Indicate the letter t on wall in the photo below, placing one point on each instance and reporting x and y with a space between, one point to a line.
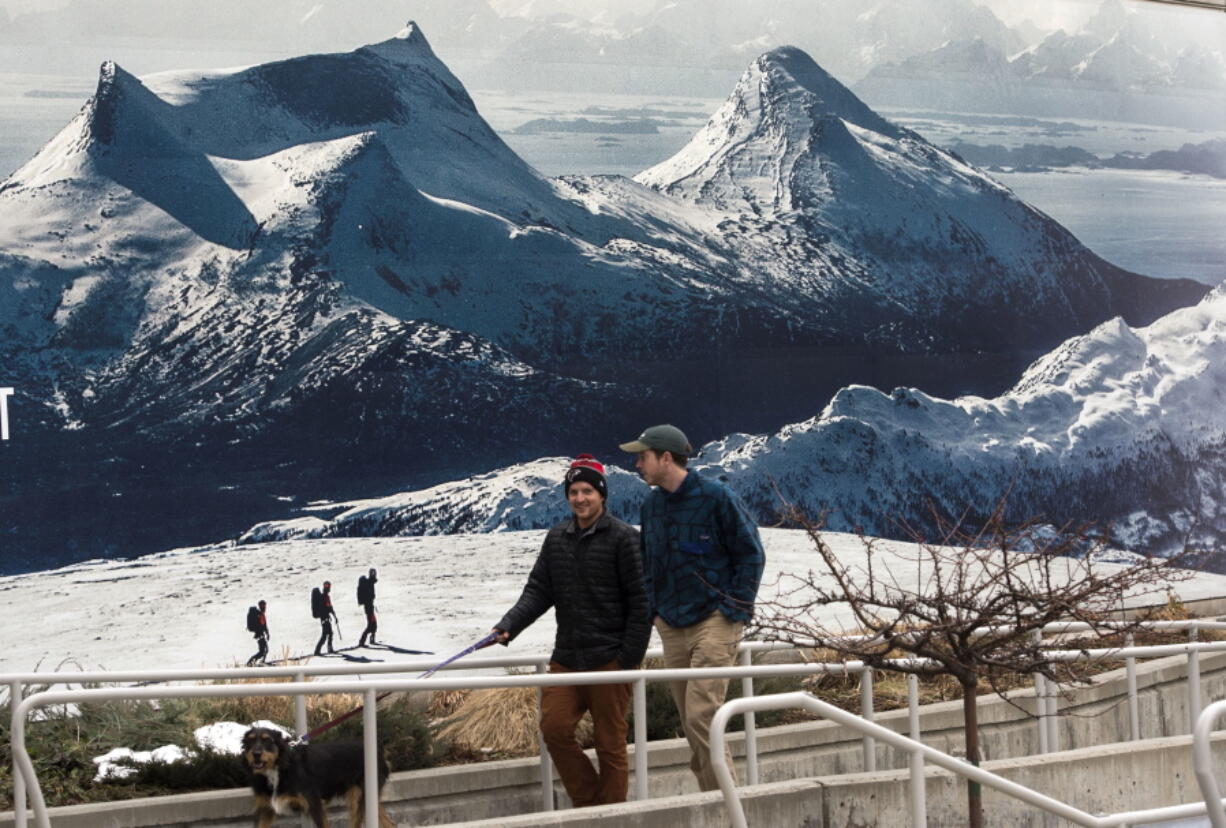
5 393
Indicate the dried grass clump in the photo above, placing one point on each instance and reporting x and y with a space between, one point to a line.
445 702
501 720
279 709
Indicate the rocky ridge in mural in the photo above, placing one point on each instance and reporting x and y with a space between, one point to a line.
1122 426
310 269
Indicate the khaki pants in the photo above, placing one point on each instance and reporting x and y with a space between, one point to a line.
561 709
711 642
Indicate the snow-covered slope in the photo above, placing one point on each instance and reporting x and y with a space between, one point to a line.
186 608
523 496
1123 427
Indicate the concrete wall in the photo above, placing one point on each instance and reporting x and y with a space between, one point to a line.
1099 780
797 763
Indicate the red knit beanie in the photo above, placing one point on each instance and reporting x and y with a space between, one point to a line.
588 469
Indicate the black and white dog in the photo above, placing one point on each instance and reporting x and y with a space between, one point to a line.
302 779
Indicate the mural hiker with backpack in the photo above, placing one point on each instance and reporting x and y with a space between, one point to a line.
321 608
257 624
366 600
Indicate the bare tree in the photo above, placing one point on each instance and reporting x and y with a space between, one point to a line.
975 610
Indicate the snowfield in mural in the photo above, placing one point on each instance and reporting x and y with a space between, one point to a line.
186 608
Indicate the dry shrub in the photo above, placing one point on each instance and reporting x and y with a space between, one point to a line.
501 720
445 702
1174 610
320 708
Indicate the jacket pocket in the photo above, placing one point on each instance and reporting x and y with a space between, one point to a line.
697 547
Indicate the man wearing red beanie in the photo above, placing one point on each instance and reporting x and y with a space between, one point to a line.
588 570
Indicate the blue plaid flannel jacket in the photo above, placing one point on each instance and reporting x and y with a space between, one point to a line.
701 552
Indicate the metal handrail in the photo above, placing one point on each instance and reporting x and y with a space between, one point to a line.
961 767
301 672
58 677
1045 697
24 763
1202 762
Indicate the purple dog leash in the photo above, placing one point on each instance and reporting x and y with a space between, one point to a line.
485 642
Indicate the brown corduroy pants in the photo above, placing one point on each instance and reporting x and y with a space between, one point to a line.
561 709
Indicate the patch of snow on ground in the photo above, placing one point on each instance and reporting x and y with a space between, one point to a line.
108 767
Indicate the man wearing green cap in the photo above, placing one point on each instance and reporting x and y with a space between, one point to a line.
702 564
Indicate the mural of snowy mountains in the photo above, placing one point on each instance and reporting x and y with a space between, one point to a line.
1123 426
316 273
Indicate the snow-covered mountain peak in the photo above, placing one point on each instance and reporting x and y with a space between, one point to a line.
758 149
792 81
1107 422
122 115
1180 347
1112 15
409 50
411 36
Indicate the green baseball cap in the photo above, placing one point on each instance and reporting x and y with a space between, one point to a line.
660 438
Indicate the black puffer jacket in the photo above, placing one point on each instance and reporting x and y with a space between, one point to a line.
594 580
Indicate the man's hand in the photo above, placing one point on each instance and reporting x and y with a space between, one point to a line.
502 636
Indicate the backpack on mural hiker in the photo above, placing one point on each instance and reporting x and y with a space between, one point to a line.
364 590
318 608
253 619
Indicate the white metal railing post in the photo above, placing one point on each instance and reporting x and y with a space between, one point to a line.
300 713
1202 763
961 767
1193 681
751 724
19 785
370 716
1040 707
1053 712
1134 710
17 744
727 785
919 796
640 739
1040 700
546 760
866 713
